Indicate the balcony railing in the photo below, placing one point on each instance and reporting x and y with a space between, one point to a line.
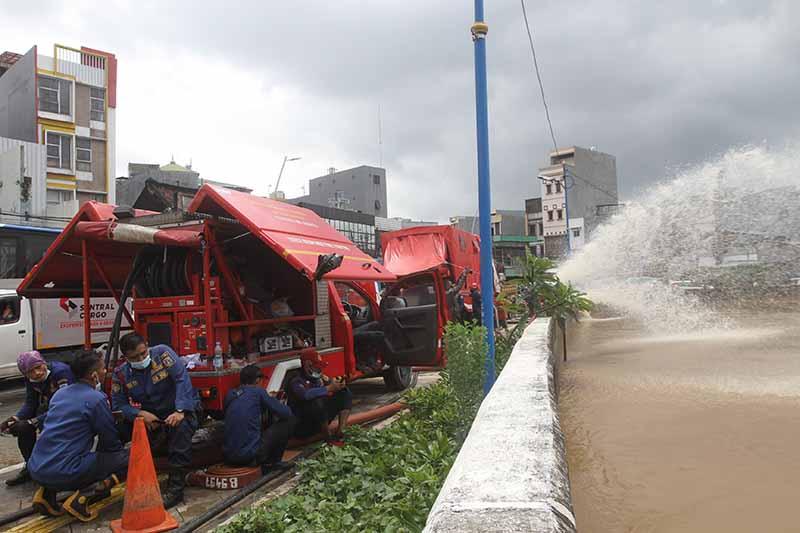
86 67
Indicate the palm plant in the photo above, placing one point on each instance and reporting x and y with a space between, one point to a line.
546 295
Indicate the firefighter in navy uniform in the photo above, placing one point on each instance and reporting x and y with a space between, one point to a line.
154 384
316 400
42 380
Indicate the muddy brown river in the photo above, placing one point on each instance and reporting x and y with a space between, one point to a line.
684 432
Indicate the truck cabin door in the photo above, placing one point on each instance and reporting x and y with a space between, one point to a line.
15 332
411 323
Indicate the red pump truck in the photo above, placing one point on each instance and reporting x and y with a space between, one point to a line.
262 279
436 255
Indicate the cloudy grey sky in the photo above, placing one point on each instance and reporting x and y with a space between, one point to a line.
235 85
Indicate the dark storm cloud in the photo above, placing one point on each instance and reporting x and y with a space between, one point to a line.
656 84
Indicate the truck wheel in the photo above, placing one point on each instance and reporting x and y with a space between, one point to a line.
399 378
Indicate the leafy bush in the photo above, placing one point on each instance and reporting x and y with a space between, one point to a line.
546 295
466 367
385 480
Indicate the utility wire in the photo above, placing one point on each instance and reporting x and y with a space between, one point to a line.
590 184
538 75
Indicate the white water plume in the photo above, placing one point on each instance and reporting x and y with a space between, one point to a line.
743 206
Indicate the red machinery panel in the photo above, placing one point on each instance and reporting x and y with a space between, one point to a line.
192 335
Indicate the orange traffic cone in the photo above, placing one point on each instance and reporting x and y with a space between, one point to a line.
144 508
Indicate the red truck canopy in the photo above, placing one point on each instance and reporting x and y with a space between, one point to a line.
58 273
425 248
296 234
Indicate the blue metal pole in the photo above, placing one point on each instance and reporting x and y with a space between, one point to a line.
479 30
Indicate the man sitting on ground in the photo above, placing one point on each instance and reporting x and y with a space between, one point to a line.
316 400
246 408
42 380
154 384
63 458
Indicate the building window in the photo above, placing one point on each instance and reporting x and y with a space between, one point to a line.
532 230
541 228
558 187
376 179
560 214
56 197
576 232
98 103
549 188
549 215
83 154
59 150
55 95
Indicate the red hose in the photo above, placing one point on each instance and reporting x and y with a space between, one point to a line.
364 417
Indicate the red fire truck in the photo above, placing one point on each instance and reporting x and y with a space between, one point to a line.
262 279
434 254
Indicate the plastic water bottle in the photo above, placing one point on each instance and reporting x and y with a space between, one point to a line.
217 361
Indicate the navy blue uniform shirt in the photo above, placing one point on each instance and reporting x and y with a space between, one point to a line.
77 414
304 388
162 388
38 395
243 409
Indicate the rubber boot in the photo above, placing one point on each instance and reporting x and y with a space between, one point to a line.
45 503
22 477
103 488
78 505
173 493
280 466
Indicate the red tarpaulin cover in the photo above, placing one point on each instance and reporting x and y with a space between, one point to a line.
131 233
60 267
424 248
297 234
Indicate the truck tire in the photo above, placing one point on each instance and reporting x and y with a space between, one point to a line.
398 378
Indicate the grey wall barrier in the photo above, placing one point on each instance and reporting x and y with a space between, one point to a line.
511 473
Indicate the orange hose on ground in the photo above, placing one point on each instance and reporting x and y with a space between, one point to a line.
363 417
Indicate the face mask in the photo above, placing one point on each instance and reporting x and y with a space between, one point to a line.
141 365
46 375
98 386
315 373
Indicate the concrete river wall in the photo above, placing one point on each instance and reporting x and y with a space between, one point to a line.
511 473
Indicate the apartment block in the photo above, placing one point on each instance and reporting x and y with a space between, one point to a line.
361 189
67 104
575 183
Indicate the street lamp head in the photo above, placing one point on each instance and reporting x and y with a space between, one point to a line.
294 158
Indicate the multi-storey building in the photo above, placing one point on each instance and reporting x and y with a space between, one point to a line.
358 227
361 189
534 226
65 103
591 181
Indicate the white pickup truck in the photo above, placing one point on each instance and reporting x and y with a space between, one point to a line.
53 326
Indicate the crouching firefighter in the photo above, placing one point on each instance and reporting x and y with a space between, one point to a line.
316 400
153 384
42 380
248 408
63 459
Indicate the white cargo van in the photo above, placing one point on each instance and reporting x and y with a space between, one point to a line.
53 326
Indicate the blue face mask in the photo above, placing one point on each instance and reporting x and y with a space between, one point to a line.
141 365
